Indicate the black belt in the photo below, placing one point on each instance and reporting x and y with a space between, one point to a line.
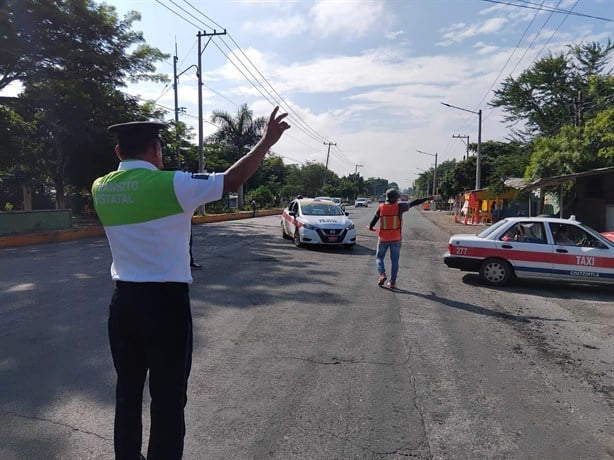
151 285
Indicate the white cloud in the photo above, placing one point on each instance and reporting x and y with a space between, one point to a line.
394 35
482 48
460 31
278 28
348 19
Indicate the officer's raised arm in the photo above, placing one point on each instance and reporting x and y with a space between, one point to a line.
247 165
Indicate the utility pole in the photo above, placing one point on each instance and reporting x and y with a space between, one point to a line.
434 171
175 84
201 154
356 168
328 154
458 136
201 149
177 108
478 171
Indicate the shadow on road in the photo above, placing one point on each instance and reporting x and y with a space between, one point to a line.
545 288
477 309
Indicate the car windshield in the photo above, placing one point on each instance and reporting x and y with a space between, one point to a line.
596 234
492 228
321 209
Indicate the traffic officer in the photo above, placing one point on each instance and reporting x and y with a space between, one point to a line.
391 215
146 214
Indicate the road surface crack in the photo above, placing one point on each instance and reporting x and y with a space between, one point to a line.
54 422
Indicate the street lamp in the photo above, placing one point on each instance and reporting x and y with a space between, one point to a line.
477 157
434 171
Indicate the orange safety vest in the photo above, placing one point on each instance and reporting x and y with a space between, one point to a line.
390 222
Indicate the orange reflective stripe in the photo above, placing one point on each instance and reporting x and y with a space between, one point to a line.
390 223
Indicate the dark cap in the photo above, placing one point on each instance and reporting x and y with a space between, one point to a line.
392 195
134 135
149 128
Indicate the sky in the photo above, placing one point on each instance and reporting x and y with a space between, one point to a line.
366 76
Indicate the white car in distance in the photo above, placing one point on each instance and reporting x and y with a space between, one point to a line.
361 202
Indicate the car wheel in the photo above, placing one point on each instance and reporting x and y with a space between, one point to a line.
496 272
283 232
297 239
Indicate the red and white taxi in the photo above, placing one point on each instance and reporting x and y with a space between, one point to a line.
317 221
534 247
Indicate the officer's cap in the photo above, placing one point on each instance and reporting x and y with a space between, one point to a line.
137 131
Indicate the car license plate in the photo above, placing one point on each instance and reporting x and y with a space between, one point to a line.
332 239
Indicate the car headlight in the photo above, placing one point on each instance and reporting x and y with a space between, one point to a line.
310 227
350 227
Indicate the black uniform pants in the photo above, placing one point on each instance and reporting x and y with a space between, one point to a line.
150 329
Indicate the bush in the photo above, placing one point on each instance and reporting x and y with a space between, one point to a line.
262 195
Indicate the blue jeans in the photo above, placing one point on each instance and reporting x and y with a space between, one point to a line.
380 255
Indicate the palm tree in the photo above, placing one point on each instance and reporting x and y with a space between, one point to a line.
238 135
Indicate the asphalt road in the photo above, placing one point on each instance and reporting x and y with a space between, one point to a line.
299 355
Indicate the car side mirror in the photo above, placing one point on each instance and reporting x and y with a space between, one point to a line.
292 213
347 213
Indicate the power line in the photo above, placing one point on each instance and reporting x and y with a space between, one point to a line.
177 14
556 30
534 39
539 8
554 10
300 123
269 97
203 14
280 97
514 51
469 119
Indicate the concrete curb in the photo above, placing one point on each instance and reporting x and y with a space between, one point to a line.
27 239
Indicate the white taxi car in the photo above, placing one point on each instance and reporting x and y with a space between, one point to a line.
310 221
534 247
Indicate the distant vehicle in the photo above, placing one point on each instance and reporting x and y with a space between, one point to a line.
361 202
312 221
534 247
404 197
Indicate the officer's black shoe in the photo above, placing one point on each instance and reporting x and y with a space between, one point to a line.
195 266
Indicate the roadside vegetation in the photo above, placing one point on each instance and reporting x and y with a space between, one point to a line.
74 63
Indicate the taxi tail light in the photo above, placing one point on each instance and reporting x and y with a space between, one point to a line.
450 247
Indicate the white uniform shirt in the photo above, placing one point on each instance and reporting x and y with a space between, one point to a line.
147 215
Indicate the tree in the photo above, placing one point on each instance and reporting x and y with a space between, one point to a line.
71 56
374 187
238 135
347 188
261 195
575 149
43 40
555 91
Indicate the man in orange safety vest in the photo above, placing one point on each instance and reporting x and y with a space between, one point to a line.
390 215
